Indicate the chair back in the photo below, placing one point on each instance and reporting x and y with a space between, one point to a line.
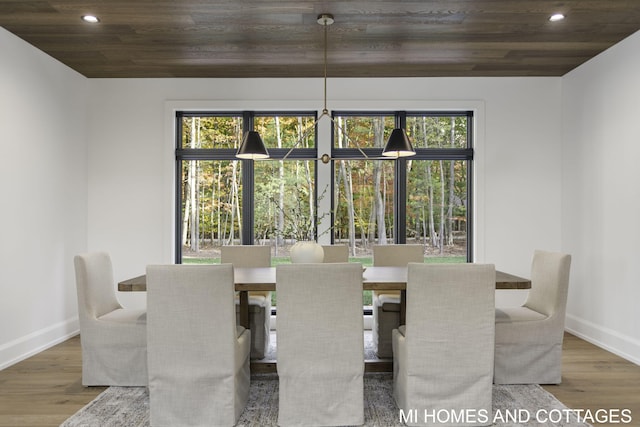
246 256
549 283
450 333
192 342
322 300
320 322
335 253
397 255
191 307
94 284
113 338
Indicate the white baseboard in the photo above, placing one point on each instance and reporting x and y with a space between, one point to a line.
37 341
619 344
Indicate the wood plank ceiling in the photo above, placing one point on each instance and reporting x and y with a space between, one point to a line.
258 38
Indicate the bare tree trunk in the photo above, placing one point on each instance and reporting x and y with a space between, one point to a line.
348 194
311 192
227 214
424 227
442 187
201 208
383 203
280 216
432 231
378 209
371 232
347 179
195 229
219 180
193 188
237 205
187 206
212 213
297 224
451 188
233 198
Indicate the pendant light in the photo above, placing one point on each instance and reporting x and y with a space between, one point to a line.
398 145
252 147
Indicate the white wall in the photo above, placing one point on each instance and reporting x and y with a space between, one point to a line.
43 183
131 149
601 197
93 170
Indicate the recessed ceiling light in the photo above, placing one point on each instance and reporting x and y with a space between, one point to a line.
92 19
556 17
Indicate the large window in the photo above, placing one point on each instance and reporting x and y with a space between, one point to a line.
223 201
422 199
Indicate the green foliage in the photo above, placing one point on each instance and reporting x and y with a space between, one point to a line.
285 197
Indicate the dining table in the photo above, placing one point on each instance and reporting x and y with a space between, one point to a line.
373 278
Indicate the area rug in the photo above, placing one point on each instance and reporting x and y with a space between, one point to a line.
513 405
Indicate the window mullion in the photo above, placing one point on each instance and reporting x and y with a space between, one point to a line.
400 190
247 188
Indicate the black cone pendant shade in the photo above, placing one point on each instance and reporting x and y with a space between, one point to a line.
252 147
398 145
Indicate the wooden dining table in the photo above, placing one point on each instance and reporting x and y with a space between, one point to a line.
373 278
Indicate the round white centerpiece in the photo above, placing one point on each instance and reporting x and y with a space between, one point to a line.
306 251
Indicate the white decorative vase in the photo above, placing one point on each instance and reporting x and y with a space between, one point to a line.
306 252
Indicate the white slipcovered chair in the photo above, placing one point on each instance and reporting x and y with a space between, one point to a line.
198 356
529 338
335 253
259 302
443 356
386 304
113 338
320 346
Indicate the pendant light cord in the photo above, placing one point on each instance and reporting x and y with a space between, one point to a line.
325 24
325 20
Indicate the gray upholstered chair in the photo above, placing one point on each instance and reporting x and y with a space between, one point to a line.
259 302
335 253
113 338
320 345
529 338
198 356
443 356
386 304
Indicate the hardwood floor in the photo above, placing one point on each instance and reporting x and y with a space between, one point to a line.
593 379
45 389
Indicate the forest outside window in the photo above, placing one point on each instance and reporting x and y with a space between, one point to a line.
224 201
424 199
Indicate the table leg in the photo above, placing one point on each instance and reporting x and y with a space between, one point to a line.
403 307
244 309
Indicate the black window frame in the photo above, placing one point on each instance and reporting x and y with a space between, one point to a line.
248 176
247 165
400 167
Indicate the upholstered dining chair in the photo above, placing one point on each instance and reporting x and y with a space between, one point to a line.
443 355
113 338
198 355
529 338
259 302
336 253
386 304
320 346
